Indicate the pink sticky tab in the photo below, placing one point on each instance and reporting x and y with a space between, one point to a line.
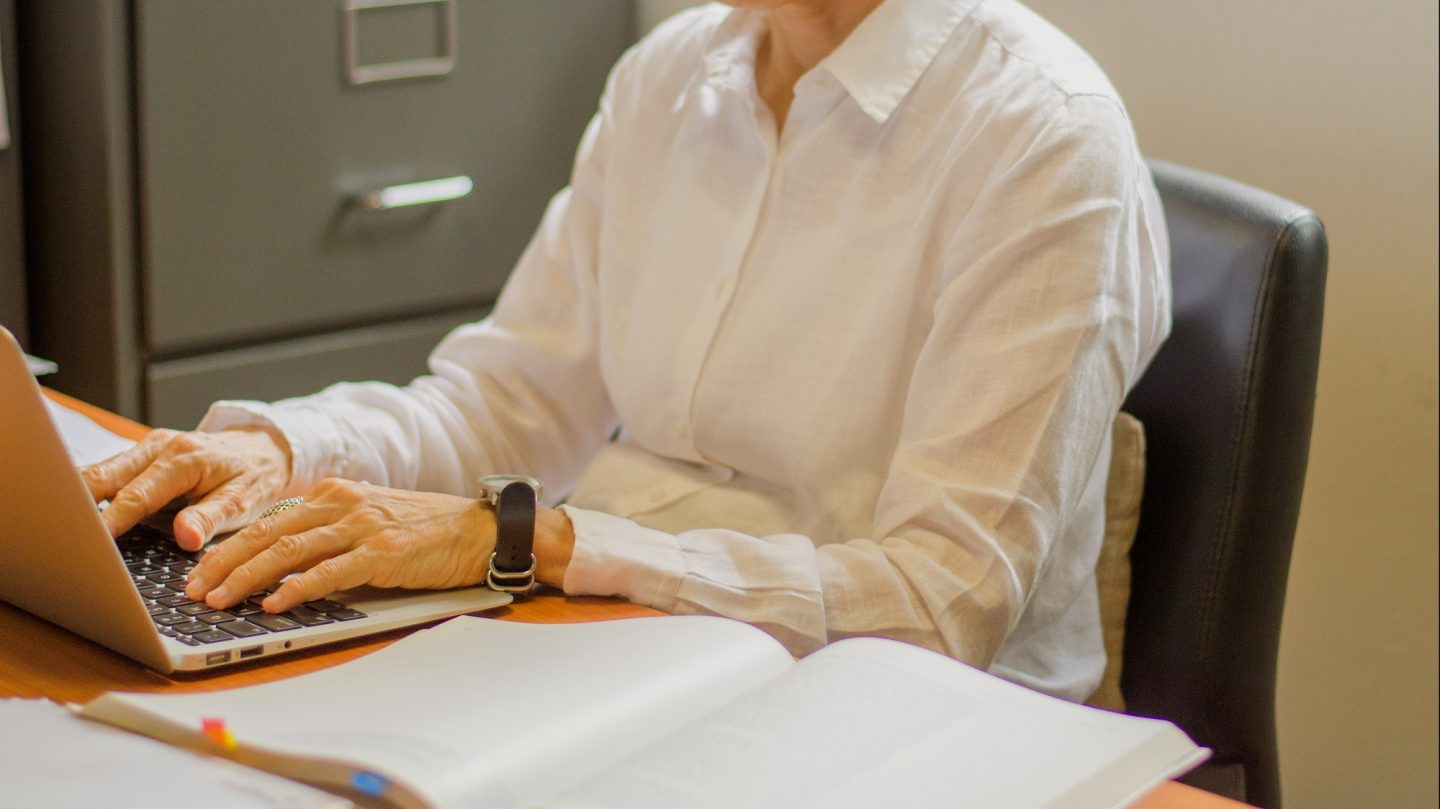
214 730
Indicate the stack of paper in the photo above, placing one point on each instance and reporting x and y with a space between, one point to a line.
86 441
40 367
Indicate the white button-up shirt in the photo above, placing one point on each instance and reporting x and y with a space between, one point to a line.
863 369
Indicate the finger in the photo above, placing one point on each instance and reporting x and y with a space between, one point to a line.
336 573
154 487
107 478
221 509
217 564
289 553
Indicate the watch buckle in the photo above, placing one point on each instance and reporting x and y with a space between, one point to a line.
518 581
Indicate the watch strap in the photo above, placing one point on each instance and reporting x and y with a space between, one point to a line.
512 566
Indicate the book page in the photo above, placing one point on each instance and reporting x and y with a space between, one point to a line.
483 713
865 723
50 757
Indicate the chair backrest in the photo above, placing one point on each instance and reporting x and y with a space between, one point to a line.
1227 408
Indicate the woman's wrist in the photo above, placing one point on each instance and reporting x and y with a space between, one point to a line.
554 543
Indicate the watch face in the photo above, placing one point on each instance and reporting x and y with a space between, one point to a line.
491 485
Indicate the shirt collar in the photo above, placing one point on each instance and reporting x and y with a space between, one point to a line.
878 64
730 55
883 58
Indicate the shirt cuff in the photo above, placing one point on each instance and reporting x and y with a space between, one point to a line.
292 425
614 556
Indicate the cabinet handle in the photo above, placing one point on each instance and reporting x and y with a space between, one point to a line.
440 65
427 192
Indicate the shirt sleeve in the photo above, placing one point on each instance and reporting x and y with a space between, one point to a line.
520 392
1034 339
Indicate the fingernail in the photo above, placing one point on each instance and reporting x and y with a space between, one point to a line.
219 595
194 535
195 587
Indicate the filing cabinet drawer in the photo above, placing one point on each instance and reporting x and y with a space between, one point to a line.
254 138
179 391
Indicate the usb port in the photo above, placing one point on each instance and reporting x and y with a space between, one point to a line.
253 651
215 658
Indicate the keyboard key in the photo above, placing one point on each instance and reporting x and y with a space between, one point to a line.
155 591
324 605
212 636
163 576
195 608
140 581
246 608
170 619
175 601
274 623
305 617
218 617
192 628
186 639
241 629
346 614
157 609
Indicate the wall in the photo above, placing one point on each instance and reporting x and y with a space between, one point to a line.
1333 104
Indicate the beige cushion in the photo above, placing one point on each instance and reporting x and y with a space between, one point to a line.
1112 572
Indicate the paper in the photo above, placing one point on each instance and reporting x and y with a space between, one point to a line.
40 367
86 441
868 722
50 757
484 713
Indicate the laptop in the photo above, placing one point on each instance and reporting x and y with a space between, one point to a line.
58 561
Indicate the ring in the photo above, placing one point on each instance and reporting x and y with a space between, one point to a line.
287 503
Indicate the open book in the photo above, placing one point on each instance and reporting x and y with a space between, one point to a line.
668 713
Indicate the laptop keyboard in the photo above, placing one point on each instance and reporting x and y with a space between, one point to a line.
159 569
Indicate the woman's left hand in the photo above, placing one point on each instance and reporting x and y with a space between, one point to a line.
346 534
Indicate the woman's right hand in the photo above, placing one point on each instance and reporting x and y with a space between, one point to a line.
228 478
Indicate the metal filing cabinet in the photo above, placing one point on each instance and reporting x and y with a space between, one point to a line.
206 225
12 252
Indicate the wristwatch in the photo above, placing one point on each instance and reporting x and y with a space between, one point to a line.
514 498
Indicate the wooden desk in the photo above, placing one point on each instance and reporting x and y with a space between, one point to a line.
38 659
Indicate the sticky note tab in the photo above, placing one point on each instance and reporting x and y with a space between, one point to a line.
369 783
215 730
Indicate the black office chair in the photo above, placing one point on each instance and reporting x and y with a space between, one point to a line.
1227 408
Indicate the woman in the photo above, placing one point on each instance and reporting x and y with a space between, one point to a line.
862 286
